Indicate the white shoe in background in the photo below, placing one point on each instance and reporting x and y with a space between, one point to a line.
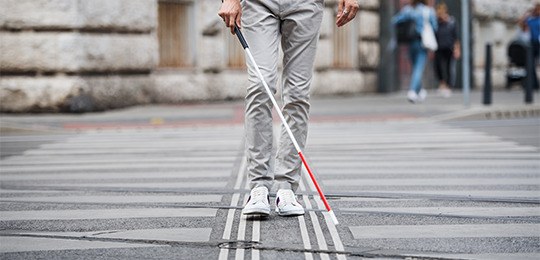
412 96
422 95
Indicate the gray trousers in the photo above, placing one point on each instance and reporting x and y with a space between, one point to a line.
267 24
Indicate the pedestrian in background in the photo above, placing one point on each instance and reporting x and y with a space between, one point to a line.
295 26
423 16
447 52
531 21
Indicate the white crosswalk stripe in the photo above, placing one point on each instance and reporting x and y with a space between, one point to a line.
409 170
391 184
72 172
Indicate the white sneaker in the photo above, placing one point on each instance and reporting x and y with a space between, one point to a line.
422 95
444 92
412 96
286 204
257 203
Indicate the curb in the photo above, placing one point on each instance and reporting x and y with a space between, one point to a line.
491 113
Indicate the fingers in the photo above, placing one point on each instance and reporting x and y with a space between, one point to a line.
238 21
231 13
341 4
347 10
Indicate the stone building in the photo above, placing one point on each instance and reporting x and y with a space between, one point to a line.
91 55
495 23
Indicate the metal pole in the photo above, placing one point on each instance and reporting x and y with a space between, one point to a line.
466 47
487 79
531 75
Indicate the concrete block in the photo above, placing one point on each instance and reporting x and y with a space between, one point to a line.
323 59
210 21
108 92
229 85
19 14
370 81
134 15
369 53
73 52
369 4
369 25
498 78
178 87
505 10
72 94
211 54
118 52
334 82
328 24
182 87
496 33
138 15
32 94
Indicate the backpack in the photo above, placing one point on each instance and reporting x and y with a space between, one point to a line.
406 31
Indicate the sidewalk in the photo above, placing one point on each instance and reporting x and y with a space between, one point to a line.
373 107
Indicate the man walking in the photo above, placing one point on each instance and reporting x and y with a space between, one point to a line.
294 25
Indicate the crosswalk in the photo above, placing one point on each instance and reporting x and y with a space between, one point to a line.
426 189
108 190
399 188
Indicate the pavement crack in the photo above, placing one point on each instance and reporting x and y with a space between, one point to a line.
442 215
106 232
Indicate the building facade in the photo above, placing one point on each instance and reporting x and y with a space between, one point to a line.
81 55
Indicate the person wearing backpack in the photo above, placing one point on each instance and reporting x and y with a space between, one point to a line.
425 26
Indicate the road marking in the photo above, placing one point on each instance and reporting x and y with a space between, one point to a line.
22 244
157 185
445 231
484 256
319 235
471 194
224 252
230 217
446 163
111 166
53 160
240 252
111 199
148 174
395 171
256 237
455 211
305 235
431 181
159 234
106 214
338 244
129 151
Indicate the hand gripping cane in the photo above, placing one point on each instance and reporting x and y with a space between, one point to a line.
280 114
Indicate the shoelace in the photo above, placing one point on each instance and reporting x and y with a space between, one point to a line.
287 198
258 195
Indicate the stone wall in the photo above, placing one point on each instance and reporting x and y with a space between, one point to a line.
362 76
80 55
211 79
76 55
495 22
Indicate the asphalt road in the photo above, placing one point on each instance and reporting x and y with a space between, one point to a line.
406 181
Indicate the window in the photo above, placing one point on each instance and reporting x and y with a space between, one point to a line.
173 31
235 52
344 46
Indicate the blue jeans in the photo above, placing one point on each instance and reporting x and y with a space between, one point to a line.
418 57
